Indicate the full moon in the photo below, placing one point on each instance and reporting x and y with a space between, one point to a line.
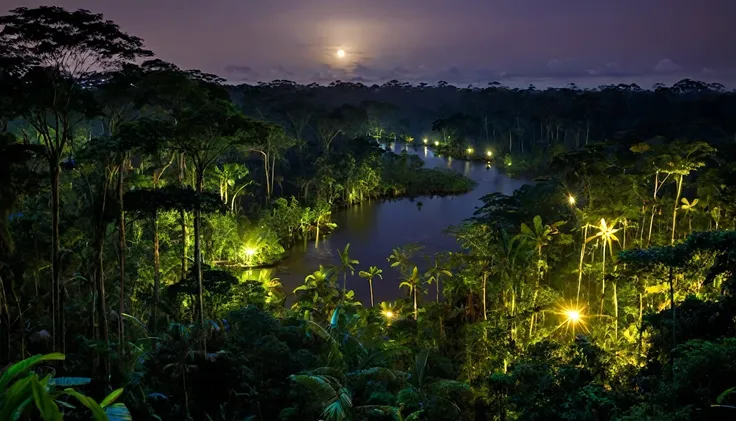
340 53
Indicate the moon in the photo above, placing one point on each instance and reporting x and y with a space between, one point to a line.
341 53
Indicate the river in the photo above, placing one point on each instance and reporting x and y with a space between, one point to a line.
373 229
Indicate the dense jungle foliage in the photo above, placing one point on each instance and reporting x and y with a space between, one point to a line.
131 191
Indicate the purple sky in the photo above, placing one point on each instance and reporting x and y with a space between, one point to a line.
516 42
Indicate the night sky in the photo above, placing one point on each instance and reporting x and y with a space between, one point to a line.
515 42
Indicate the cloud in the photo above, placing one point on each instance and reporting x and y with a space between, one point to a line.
280 72
233 68
667 66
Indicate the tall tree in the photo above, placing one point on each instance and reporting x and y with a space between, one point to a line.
59 51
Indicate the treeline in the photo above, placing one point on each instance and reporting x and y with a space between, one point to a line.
522 122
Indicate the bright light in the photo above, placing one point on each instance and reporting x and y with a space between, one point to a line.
573 315
425 140
250 252
489 154
340 53
436 143
470 151
388 314
571 199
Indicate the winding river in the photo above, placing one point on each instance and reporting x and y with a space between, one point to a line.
373 229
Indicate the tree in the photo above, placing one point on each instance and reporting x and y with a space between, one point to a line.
540 235
682 159
413 283
345 266
435 272
689 208
59 51
372 272
204 133
607 235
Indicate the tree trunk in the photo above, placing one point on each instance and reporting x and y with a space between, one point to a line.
57 309
370 283
121 254
536 291
615 310
100 290
438 289
603 280
674 211
183 221
198 246
156 274
485 280
580 265
672 306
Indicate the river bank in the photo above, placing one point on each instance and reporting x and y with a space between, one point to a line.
375 227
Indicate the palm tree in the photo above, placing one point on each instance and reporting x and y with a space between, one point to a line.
540 235
434 273
689 209
373 271
507 250
607 234
401 257
346 265
412 282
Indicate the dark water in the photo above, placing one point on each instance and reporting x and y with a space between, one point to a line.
374 229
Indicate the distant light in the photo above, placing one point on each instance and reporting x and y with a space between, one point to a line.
425 140
470 151
489 154
436 143
573 315
340 53
571 200
250 252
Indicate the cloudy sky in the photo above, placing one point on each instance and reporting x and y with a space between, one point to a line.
516 42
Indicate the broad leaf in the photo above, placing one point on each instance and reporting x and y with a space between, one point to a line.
24 365
118 412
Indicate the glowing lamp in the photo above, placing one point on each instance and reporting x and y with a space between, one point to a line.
571 200
436 143
425 140
388 314
470 151
250 252
573 315
489 154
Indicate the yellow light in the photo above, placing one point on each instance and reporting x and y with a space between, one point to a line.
573 315
340 53
388 314
489 154
425 140
250 252
470 150
571 199
436 143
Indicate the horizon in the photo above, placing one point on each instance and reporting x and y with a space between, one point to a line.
547 44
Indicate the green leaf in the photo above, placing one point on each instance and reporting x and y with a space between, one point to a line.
49 410
97 412
725 394
16 399
26 364
118 412
69 381
112 397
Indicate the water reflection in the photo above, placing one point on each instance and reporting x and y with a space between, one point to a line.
374 229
